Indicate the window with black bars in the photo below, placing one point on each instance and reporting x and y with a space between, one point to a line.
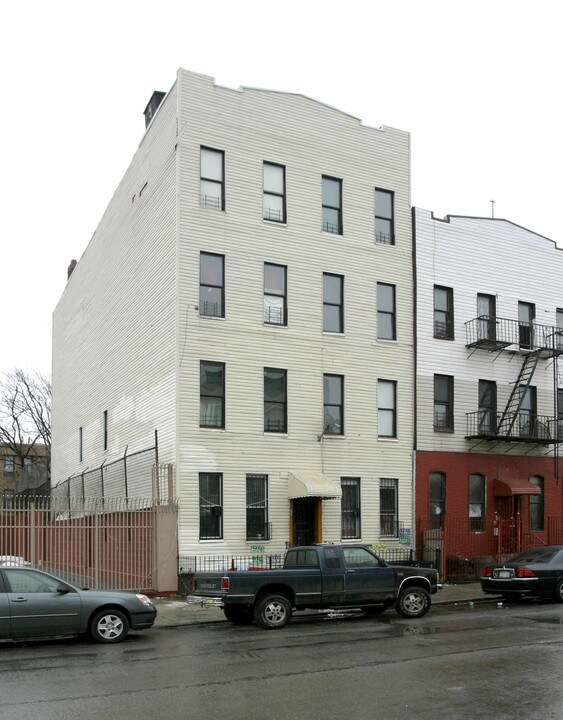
257 527
437 491
351 508
537 505
476 503
388 507
210 506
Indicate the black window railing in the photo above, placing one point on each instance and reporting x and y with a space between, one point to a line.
514 426
275 316
258 531
487 331
212 201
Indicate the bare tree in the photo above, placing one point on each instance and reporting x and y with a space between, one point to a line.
25 415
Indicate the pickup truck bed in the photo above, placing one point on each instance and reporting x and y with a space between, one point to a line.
323 576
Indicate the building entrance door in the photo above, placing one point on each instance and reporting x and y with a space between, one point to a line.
304 521
508 510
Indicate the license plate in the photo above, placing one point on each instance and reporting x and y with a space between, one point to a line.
504 574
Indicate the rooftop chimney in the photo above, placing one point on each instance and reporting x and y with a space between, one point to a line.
150 111
73 264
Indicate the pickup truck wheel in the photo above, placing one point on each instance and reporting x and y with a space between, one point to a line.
413 602
238 615
272 612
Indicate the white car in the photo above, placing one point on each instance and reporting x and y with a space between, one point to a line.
13 561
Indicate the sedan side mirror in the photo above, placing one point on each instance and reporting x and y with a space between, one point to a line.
62 588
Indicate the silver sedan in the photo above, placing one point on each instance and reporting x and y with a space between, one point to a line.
35 604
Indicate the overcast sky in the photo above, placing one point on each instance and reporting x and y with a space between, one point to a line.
477 84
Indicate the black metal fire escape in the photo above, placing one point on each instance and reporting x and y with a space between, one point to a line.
510 413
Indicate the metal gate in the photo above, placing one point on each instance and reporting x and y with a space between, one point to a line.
110 543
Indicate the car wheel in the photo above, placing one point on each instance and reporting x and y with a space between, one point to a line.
558 592
413 602
109 626
238 615
272 612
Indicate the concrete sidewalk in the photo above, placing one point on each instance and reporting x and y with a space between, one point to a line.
177 611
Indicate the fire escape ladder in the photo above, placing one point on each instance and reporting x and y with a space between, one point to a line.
510 412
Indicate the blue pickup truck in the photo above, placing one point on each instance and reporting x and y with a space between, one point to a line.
323 576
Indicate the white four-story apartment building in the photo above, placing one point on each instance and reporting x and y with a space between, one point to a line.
248 294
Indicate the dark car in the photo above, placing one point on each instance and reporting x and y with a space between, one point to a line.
35 604
537 572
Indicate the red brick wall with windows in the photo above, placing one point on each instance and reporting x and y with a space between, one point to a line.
457 468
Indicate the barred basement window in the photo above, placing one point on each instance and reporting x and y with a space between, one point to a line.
350 508
210 506
257 507
388 507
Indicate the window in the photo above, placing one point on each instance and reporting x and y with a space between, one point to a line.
528 412
386 408
389 507
275 297
211 394
384 221
9 464
437 487
443 313
105 430
359 557
332 205
536 505
443 402
274 192
31 581
80 456
333 393
210 506
257 507
487 407
212 174
275 400
476 503
487 314
211 285
526 317
560 414
350 508
386 325
559 329
333 303
297 557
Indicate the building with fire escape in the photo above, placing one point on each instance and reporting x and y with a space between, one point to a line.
489 318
